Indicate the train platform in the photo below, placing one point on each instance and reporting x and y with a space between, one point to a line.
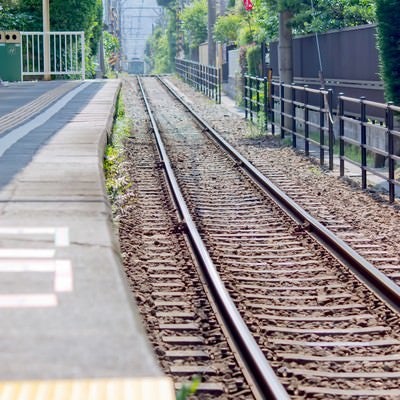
69 325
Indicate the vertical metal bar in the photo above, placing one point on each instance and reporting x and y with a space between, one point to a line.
390 125
258 98
27 48
282 111
65 53
76 53
40 44
321 128
54 52
245 97
306 123
293 112
251 97
33 53
363 143
22 57
265 87
330 128
214 81
272 107
60 52
83 55
219 85
71 63
341 133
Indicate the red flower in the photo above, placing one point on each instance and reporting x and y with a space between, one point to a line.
248 5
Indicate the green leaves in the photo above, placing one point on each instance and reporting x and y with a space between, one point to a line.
188 389
194 23
388 15
227 27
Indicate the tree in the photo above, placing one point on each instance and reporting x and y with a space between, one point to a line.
157 55
388 16
194 23
72 15
227 27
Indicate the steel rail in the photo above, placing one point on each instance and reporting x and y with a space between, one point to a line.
374 279
267 381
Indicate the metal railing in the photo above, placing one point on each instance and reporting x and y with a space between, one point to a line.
256 100
305 114
205 78
389 129
352 132
66 54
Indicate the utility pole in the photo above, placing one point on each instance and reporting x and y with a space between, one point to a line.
211 22
285 53
285 58
46 39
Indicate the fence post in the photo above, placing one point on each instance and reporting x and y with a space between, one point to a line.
330 128
306 126
219 85
215 83
265 83
293 109
245 97
258 98
341 134
363 143
390 125
282 104
250 91
272 108
321 128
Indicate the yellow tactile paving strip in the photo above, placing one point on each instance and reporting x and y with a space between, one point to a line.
89 389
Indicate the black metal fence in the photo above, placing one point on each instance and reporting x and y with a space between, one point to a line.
205 78
369 149
307 118
255 99
293 111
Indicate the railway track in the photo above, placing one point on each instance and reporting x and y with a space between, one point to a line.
378 246
323 332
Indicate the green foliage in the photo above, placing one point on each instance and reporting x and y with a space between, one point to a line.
194 23
12 18
388 15
261 24
157 52
226 28
334 14
116 184
72 15
111 44
111 47
253 58
189 389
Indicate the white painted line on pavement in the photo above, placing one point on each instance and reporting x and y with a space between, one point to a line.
18 133
27 300
61 235
63 281
14 265
27 253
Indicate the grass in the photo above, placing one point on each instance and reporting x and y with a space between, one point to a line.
116 183
188 389
351 151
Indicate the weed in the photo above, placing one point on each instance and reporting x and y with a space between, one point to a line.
116 183
188 389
